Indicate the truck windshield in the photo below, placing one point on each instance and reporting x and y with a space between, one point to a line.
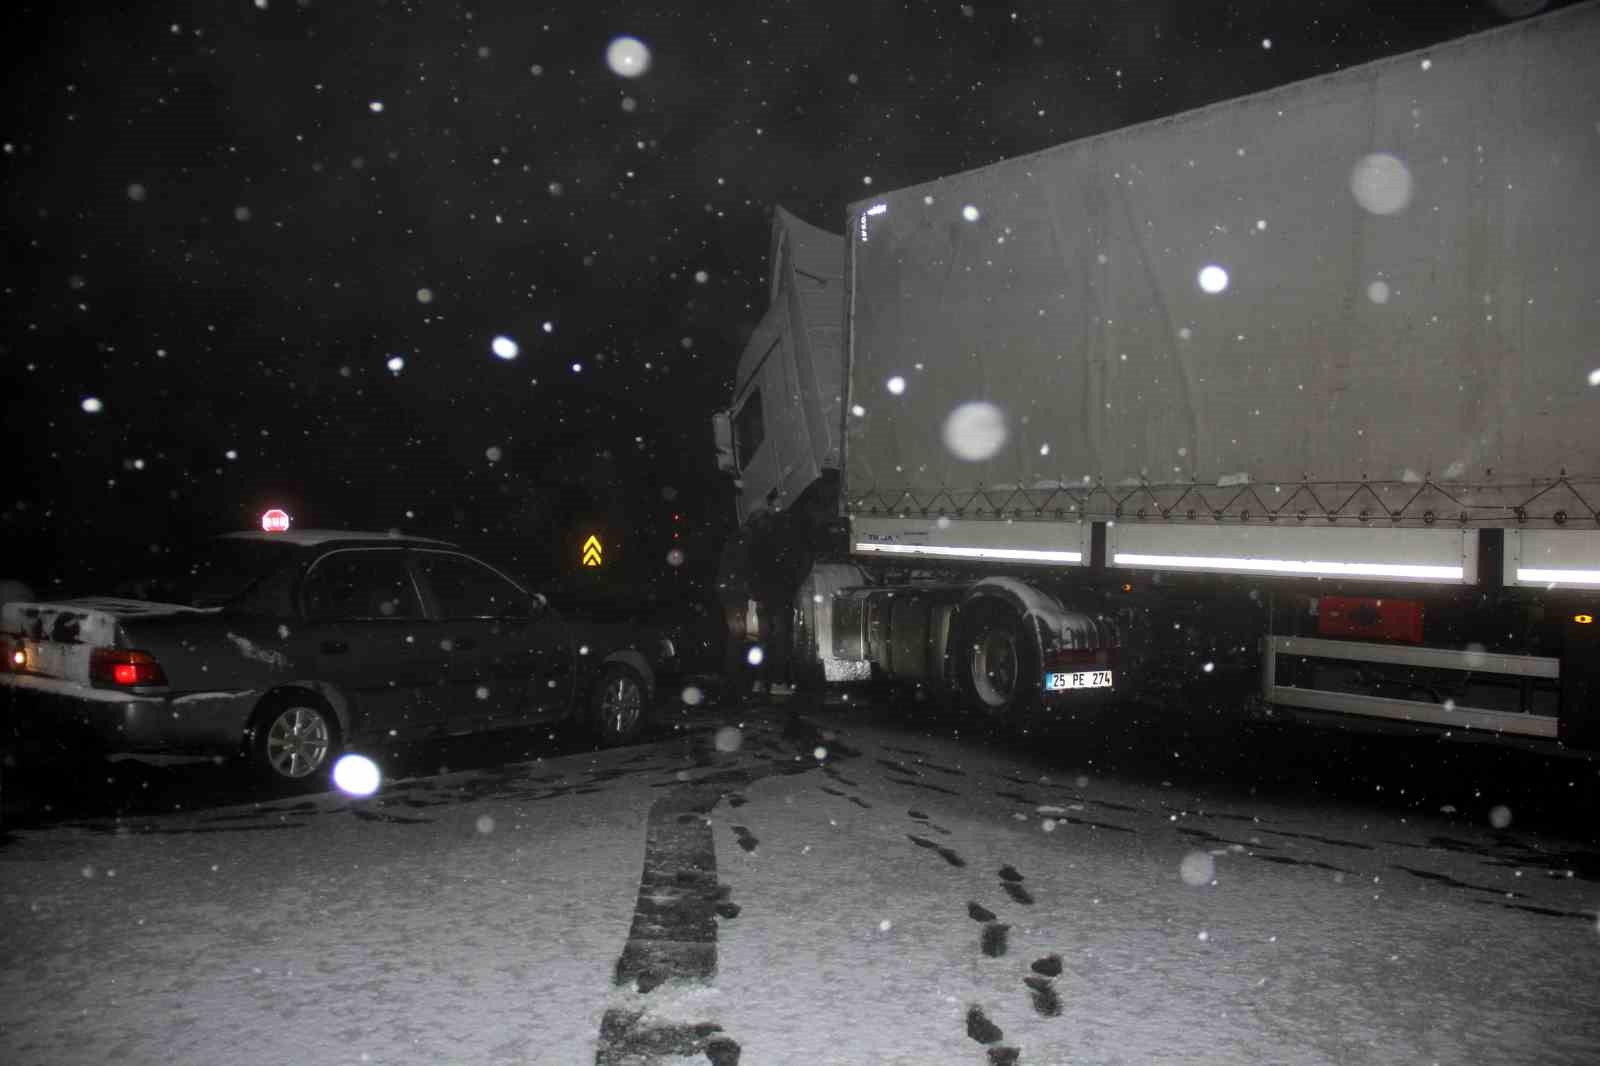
214 574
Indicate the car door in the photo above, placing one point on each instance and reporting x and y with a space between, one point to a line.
498 645
365 630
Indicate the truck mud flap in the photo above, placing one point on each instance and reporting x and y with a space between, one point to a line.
1579 725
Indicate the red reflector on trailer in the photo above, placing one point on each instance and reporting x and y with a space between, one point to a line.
1069 658
1370 618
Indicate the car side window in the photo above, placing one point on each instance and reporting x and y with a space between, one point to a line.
462 587
361 584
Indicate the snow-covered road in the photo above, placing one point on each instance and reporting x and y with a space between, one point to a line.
816 889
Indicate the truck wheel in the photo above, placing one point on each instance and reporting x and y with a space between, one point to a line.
294 737
998 666
618 711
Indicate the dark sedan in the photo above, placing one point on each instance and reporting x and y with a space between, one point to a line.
286 648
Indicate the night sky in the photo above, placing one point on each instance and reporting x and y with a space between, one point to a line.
227 221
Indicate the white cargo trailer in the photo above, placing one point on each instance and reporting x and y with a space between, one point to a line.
1304 383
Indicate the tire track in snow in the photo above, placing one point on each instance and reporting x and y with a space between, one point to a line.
674 932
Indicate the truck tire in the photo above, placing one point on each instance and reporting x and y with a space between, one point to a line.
997 662
618 706
294 737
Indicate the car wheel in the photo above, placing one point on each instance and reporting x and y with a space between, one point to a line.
618 706
295 737
998 664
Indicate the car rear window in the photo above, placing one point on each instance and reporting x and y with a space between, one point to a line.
216 573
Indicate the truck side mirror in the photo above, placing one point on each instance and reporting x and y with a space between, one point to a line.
722 432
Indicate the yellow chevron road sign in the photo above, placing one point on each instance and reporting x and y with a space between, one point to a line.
591 551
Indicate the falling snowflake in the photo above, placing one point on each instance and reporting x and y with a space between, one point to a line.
1213 279
897 385
1381 184
396 364
628 57
504 347
92 405
1197 868
356 775
376 107
975 431
970 213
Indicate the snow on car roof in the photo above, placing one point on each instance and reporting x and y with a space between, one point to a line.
310 538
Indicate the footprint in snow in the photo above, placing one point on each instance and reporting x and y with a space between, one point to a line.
747 840
736 800
1045 1000
979 913
1049 966
994 939
947 854
923 818
981 1029
1011 881
1017 892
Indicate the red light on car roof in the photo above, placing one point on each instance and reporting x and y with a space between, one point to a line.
275 521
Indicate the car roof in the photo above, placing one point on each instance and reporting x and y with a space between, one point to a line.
315 538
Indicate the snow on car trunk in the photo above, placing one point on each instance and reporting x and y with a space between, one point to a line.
58 639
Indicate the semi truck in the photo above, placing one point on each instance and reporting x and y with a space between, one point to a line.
1301 388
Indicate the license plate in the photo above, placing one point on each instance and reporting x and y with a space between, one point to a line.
1056 682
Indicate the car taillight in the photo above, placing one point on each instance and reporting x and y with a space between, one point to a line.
13 656
123 668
